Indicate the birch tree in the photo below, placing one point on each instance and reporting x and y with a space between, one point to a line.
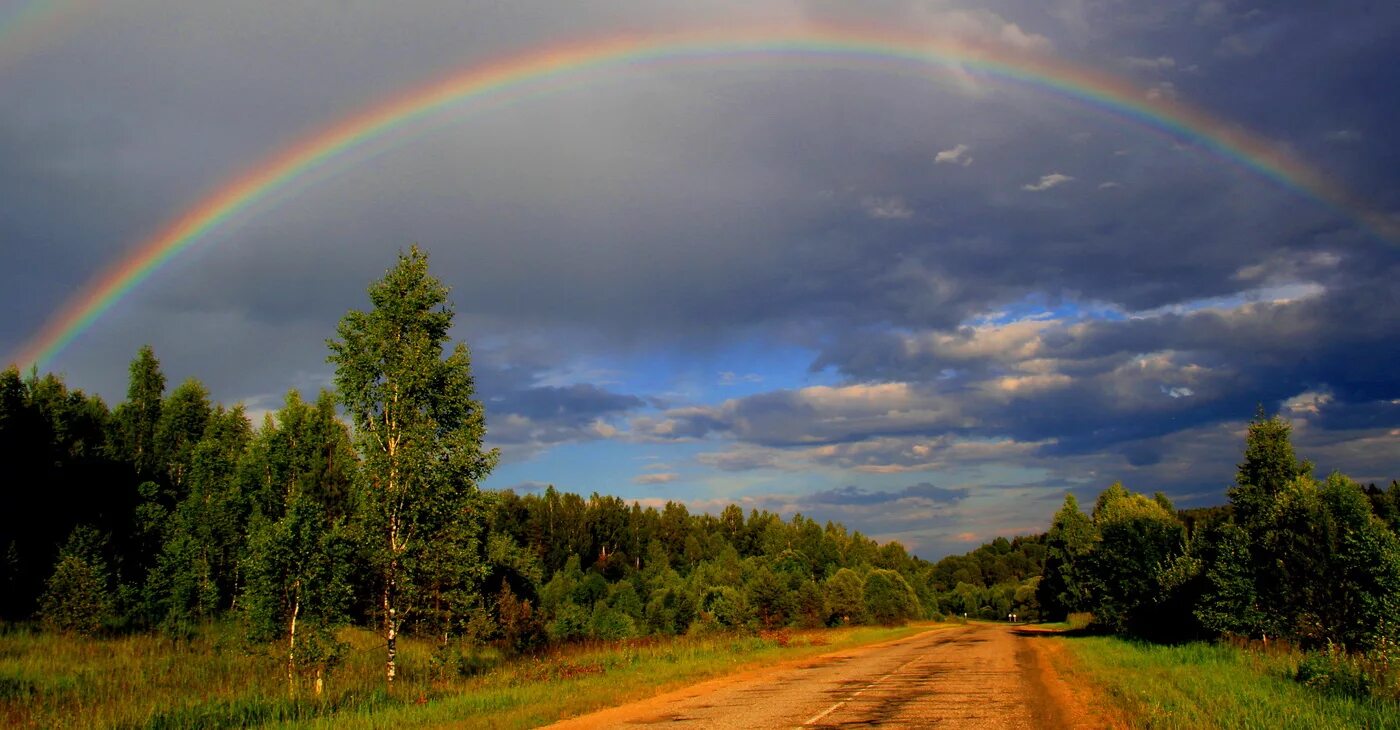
300 563
419 432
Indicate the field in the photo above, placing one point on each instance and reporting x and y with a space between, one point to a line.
1214 685
218 680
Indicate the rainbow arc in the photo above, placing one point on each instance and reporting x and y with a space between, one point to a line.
554 66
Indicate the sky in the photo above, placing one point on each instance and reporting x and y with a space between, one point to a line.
925 302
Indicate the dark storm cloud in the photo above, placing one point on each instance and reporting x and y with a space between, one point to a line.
1085 386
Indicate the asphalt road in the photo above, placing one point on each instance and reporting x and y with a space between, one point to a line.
974 676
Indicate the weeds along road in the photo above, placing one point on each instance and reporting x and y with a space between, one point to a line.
973 676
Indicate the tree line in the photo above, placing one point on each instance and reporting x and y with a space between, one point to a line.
1312 561
362 506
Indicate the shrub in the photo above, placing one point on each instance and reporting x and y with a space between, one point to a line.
77 597
611 624
570 623
1335 671
889 599
845 597
724 606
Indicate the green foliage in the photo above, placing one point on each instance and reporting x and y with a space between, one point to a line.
1063 587
1269 466
419 433
77 597
769 598
610 624
1138 540
1291 558
570 623
1360 675
138 417
845 596
889 600
300 555
724 607
195 574
1228 604
183 418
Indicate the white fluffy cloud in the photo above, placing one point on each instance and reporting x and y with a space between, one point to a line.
957 155
1047 181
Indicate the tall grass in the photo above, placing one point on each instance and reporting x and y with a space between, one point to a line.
1201 685
217 680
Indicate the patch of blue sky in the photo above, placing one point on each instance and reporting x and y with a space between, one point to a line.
743 367
1277 294
1038 306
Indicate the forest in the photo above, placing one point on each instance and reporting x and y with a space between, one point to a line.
362 507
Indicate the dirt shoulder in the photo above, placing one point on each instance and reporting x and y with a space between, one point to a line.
1052 674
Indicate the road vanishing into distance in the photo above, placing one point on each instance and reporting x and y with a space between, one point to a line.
973 676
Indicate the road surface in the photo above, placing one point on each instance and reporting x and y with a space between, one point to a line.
973 676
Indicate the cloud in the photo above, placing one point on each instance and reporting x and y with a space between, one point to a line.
1160 63
886 208
1178 392
1047 181
1211 12
853 495
1344 136
1109 185
728 378
527 487
656 478
1162 90
957 155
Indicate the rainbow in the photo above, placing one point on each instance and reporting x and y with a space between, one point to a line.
556 64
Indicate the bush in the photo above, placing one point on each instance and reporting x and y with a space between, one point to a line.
1335 671
889 599
570 623
611 624
76 597
845 598
725 607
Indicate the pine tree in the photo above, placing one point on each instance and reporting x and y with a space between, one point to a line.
1269 466
419 432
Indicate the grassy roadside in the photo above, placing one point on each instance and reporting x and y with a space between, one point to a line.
1203 685
216 680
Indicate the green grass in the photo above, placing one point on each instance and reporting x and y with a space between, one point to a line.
217 680
1203 685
